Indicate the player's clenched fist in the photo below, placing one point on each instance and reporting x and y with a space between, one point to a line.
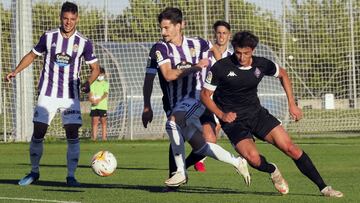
228 117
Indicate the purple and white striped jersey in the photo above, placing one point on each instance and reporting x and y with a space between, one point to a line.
62 61
184 56
226 53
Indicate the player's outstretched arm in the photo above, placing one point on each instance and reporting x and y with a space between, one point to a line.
294 110
174 74
147 114
24 63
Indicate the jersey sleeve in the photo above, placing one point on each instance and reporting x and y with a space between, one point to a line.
160 54
152 64
212 78
271 68
88 53
40 47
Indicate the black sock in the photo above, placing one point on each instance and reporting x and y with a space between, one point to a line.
307 168
192 159
264 166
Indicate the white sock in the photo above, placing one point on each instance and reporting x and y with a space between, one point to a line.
36 151
73 153
216 152
177 145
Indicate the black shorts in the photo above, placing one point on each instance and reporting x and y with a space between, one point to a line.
207 117
98 113
258 124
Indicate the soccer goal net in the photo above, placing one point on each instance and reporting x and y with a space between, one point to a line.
318 42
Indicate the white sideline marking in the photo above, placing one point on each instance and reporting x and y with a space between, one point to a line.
37 200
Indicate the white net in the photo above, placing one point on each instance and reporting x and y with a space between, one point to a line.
318 42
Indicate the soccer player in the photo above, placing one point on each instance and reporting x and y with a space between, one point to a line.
220 49
147 115
98 97
58 88
180 60
222 36
234 81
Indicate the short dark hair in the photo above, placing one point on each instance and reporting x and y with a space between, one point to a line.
173 14
221 23
102 70
69 7
244 39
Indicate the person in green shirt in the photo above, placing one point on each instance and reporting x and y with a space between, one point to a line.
98 97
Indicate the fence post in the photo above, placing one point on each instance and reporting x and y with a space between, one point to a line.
205 20
353 99
226 10
24 82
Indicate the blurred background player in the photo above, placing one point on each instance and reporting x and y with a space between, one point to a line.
234 81
98 97
58 88
219 49
180 60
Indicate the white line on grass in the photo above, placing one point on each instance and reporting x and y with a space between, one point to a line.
37 200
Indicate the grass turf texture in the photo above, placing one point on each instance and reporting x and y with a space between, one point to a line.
142 169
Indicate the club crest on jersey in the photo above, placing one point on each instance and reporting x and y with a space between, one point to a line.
158 56
62 59
75 48
192 52
257 72
183 65
208 77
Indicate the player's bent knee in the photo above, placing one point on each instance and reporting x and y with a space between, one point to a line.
40 130
253 158
202 150
72 131
294 151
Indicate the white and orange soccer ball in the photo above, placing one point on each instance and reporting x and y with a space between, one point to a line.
103 163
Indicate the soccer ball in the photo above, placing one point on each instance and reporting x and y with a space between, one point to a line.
103 163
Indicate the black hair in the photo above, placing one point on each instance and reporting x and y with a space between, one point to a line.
221 23
244 39
69 7
173 14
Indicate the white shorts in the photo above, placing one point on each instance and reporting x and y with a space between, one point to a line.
194 109
47 107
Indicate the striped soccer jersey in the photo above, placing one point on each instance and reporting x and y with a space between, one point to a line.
226 53
62 61
184 56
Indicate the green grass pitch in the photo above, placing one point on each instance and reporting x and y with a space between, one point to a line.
142 169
